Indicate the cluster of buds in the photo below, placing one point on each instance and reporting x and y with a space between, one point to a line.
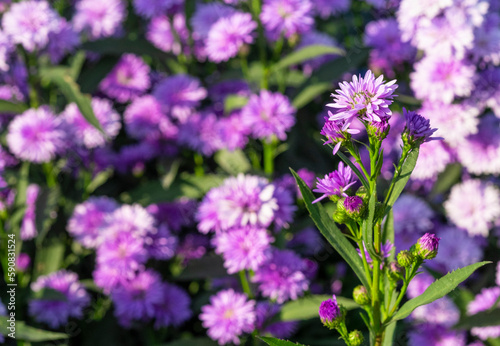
332 316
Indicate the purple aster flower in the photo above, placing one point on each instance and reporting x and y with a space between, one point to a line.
412 214
6 49
23 261
132 158
485 300
230 133
307 242
418 129
365 97
433 157
62 41
144 117
282 277
135 299
486 49
353 204
162 33
150 8
239 201
286 17
243 248
479 153
133 219
162 244
268 114
207 15
87 135
335 183
265 312
228 316
193 246
99 18
28 226
286 207
473 205
440 312
427 246
29 23
329 311
179 94
89 219
173 308
200 132
439 79
436 335
328 8
127 80
228 35
317 38
176 214
336 132
36 135
53 311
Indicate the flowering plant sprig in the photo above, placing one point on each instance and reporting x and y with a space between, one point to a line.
364 218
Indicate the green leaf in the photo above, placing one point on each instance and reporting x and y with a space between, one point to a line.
49 258
27 333
61 76
100 178
400 180
46 205
409 100
368 224
277 342
389 334
207 267
233 102
388 234
191 342
233 162
76 64
118 46
449 177
355 169
306 53
309 93
330 231
308 307
437 289
482 319
12 107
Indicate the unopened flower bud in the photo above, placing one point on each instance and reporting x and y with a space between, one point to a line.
427 246
405 258
395 271
360 295
363 193
355 338
331 314
340 216
354 206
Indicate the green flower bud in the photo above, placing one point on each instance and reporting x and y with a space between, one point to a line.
405 258
360 295
340 216
355 338
395 272
427 246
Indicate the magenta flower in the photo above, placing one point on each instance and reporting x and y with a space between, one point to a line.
53 311
99 18
418 128
28 226
353 204
23 261
127 80
335 183
485 300
228 35
329 311
144 117
336 132
282 277
427 246
161 33
286 17
228 316
36 135
243 248
206 16
365 97
150 8
268 114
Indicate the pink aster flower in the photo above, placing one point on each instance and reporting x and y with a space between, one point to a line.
239 201
268 114
335 183
207 15
433 157
228 316
99 18
28 225
150 8
37 135
328 8
161 31
439 79
243 248
282 277
485 301
55 312
286 17
62 40
127 80
87 135
365 97
179 95
474 205
228 35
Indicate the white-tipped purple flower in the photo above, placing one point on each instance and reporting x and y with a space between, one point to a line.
418 129
228 316
99 18
427 246
335 183
150 8
161 33
286 18
365 98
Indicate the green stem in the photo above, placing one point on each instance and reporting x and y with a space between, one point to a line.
244 66
269 147
365 262
199 171
245 285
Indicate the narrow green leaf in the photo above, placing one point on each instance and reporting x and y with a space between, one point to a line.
46 205
482 319
233 102
22 184
61 77
306 53
308 307
309 93
437 289
277 342
27 333
388 233
355 169
367 228
12 107
409 100
233 162
76 64
389 334
49 258
401 179
100 178
449 177
330 231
